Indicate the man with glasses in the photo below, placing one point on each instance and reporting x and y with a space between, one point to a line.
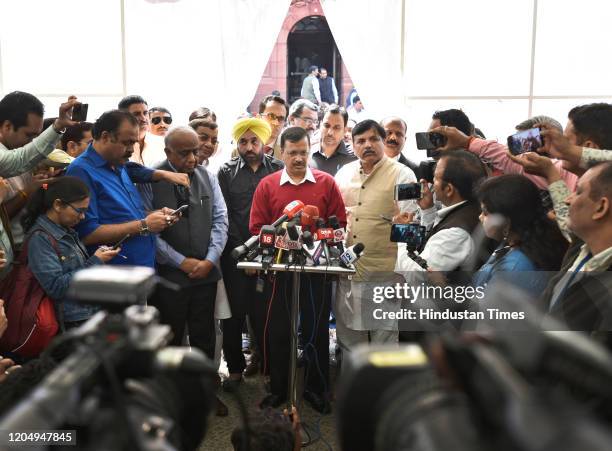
330 154
297 182
273 110
207 132
149 149
304 113
160 119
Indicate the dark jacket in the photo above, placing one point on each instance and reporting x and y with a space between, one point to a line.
586 304
415 167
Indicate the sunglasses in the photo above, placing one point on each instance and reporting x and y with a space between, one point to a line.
157 120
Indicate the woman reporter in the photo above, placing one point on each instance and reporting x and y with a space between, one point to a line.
532 246
55 251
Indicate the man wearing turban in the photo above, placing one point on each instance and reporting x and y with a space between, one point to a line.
238 179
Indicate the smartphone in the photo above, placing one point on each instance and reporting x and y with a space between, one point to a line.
79 112
118 243
525 141
412 234
429 140
427 169
405 191
180 209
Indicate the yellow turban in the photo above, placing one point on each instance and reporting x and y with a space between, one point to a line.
258 126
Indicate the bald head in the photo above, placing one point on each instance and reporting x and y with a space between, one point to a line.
395 128
182 145
178 134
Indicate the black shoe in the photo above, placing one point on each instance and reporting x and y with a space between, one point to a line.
221 409
273 401
317 402
231 385
251 369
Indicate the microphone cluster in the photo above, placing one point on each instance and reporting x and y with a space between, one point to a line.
301 237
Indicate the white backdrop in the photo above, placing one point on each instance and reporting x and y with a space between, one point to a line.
485 57
178 54
499 61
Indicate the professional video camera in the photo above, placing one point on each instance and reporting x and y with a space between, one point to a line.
120 387
533 390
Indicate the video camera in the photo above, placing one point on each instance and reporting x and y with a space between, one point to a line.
120 387
533 390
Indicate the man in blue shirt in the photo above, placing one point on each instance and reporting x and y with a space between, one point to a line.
188 253
115 207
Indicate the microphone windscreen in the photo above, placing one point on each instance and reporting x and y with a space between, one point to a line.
293 208
310 214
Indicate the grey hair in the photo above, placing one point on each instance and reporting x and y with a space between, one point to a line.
298 106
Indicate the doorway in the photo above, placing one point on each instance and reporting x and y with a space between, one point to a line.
310 43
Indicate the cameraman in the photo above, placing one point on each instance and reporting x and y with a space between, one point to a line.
448 243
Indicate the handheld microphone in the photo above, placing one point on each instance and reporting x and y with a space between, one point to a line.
267 237
308 239
293 243
351 255
291 210
323 234
310 214
339 233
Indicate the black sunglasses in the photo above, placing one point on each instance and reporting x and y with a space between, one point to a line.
157 119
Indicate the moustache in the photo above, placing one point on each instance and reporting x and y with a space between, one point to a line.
392 141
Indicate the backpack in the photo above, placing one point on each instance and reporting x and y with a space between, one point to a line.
30 312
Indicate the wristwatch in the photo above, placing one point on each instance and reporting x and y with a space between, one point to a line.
144 228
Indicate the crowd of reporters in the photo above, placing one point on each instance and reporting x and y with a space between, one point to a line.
545 213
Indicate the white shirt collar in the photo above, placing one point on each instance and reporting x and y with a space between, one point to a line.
285 177
442 212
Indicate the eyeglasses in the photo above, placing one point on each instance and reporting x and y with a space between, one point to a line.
309 121
157 120
79 211
274 117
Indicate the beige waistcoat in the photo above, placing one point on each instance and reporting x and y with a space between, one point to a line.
366 199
